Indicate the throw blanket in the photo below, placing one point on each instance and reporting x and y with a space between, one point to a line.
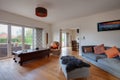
73 63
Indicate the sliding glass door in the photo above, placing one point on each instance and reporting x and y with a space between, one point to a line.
28 38
16 38
3 40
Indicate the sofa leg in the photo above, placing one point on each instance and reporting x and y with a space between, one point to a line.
81 79
67 79
84 78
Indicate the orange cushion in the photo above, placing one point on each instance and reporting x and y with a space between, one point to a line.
112 52
54 46
99 49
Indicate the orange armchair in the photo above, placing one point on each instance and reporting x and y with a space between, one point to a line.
55 48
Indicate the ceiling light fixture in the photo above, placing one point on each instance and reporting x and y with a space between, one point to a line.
41 12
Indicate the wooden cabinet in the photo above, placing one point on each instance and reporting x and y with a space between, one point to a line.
75 45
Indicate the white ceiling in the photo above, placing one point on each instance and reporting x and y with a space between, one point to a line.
59 10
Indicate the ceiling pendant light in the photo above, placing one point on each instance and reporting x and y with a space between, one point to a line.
41 12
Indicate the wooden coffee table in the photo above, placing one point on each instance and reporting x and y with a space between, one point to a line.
26 55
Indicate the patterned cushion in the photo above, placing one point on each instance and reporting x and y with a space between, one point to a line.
99 49
88 49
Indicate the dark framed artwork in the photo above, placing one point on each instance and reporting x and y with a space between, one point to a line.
46 38
109 25
77 30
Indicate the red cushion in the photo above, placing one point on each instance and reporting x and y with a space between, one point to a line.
99 49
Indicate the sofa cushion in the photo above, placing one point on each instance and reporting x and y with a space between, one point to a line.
111 63
99 49
54 45
112 52
94 57
87 46
88 49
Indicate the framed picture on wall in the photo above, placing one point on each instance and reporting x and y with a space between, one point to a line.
109 25
46 38
77 30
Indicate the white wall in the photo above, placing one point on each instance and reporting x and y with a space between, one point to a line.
88 28
6 17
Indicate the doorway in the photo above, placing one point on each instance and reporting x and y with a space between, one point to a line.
70 39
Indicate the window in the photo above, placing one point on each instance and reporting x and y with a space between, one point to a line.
16 38
28 38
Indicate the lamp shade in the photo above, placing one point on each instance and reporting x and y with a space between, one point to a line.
41 12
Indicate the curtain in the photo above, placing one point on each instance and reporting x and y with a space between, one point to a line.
38 38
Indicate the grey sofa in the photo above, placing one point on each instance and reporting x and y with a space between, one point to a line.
111 65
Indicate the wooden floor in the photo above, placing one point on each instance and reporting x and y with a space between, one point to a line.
45 69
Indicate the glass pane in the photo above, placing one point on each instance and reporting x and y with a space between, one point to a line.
63 39
16 38
3 40
28 38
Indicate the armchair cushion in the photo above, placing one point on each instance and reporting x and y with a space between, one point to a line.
54 46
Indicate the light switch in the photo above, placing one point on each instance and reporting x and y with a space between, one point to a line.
83 37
